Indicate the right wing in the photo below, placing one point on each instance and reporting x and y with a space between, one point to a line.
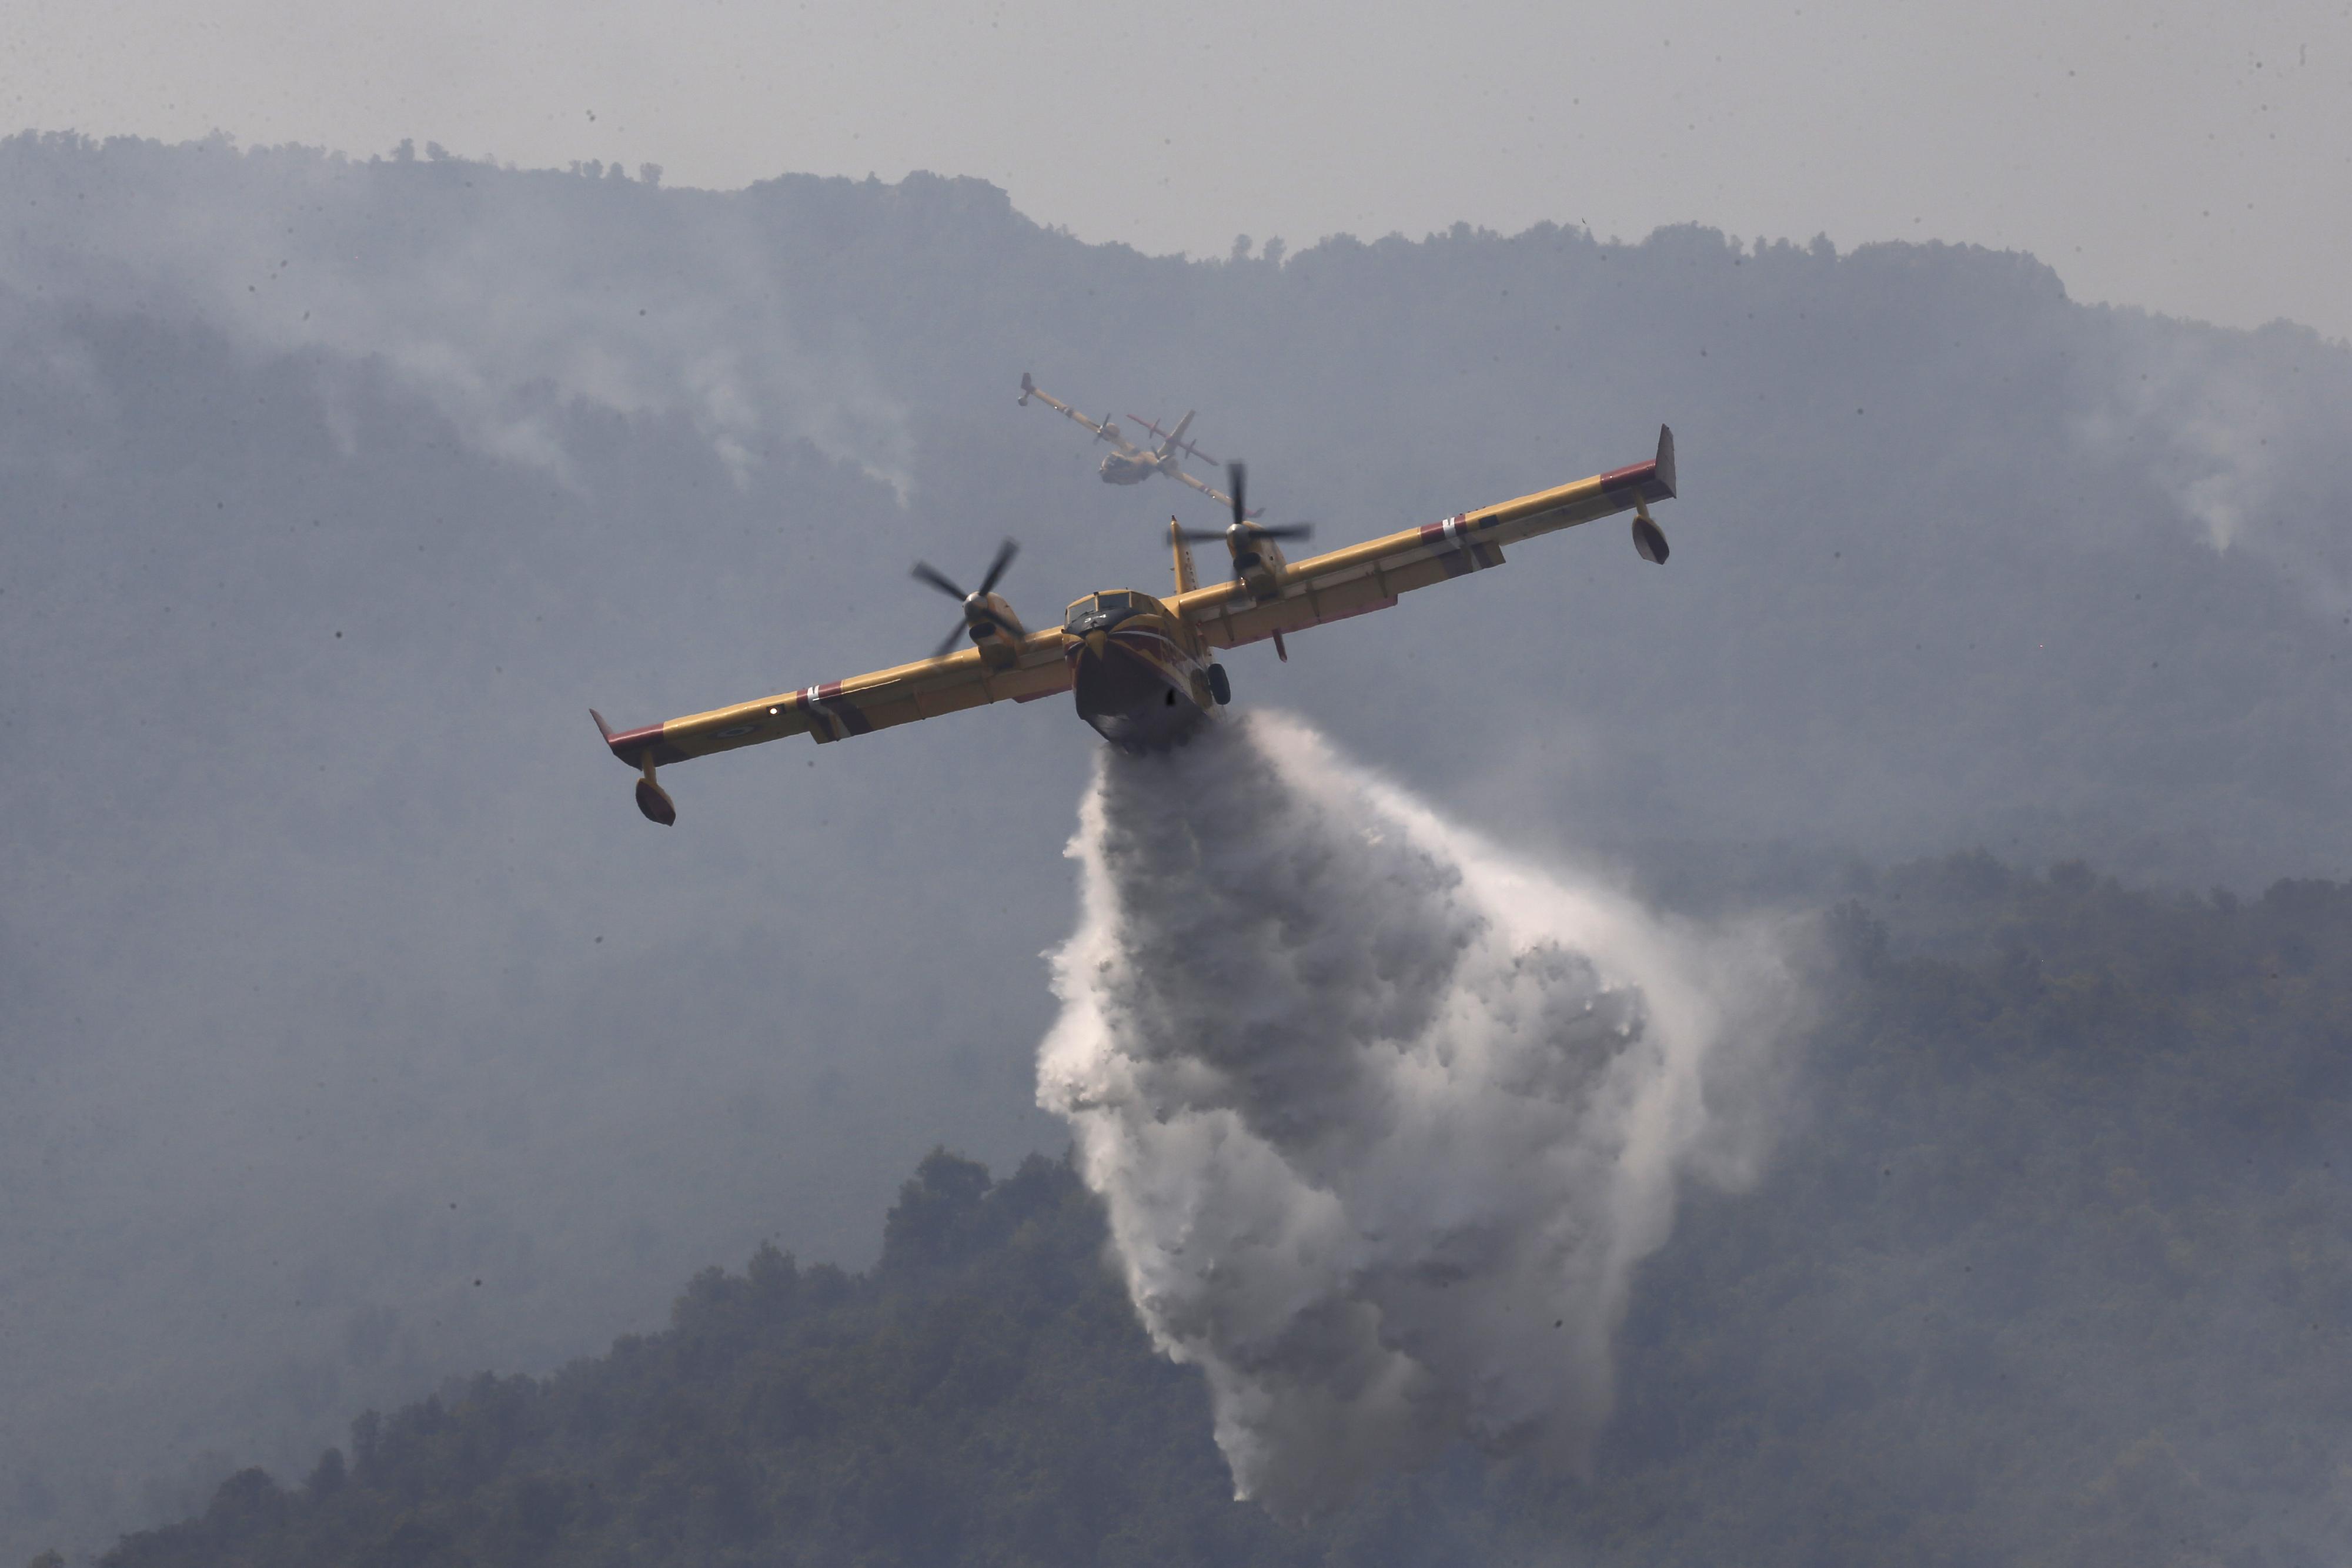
1369 576
1219 497
836 709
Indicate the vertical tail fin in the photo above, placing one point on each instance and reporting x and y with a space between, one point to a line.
1176 437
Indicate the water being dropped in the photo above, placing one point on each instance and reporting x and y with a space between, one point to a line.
1383 1118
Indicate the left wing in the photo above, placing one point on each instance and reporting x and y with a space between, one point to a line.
1103 429
838 709
1369 576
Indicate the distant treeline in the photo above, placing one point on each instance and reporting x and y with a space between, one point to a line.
2051 1266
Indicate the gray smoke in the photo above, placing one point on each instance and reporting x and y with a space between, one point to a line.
1383 1120
2242 432
507 300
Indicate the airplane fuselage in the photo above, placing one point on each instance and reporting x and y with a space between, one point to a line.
1140 675
1125 468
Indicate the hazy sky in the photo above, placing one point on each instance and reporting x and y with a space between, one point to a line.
2195 159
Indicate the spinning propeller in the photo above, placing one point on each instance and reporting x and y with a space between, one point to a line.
976 611
1243 529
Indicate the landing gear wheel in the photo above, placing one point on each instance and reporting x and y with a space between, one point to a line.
1219 688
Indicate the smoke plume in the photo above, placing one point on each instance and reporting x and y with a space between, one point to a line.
501 295
1383 1120
2238 431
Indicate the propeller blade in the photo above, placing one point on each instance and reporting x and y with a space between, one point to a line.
1004 554
1236 480
926 572
948 642
1198 536
1286 531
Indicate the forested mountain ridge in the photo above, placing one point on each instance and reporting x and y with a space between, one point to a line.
981 1395
2051 1267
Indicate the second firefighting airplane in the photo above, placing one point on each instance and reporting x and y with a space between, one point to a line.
1141 667
1129 464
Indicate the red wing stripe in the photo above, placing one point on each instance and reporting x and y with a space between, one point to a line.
629 740
634 745
1629 475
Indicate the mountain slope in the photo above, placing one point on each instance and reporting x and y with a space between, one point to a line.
2053 1269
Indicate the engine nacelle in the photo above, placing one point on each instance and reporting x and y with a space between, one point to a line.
994 629
1258 562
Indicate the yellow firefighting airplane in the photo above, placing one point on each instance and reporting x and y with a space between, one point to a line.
1141 668
1129 464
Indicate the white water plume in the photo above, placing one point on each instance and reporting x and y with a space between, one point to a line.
1384 1120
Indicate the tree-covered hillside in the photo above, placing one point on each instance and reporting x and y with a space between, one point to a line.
2051 1267
981 1395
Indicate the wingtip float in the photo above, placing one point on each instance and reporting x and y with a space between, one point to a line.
1141 668
1649 539
641 749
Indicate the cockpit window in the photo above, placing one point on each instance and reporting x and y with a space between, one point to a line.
1103 610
